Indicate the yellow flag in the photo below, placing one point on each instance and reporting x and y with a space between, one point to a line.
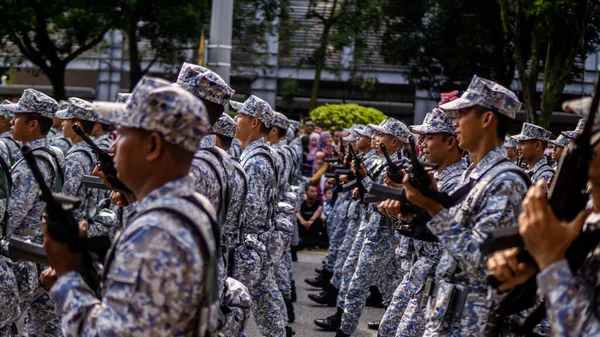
201 50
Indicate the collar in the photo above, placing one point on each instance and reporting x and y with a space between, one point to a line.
40 142
460 165
179 187
539 164
6 134
260 141
492 158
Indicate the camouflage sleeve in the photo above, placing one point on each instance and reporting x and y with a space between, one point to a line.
4 153
568 301
257 203
499 208
74 171
24 193
146 288
367 182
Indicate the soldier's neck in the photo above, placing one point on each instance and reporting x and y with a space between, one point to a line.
484 146
534 160
452 157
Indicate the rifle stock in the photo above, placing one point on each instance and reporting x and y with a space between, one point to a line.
104 159
393 170
20 250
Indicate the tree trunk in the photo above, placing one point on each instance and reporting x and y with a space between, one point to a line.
135 66
56 76
317 81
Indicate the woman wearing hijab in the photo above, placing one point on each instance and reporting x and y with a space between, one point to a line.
327 145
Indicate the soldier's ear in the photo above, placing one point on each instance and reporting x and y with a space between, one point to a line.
156 145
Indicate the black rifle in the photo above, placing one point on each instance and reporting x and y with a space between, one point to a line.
394 172
342 148
93 182
63 227
104 159
331 160
357 182
20 250
567 198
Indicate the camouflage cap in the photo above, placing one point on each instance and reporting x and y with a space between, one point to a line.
204 83
581 107
435 122
561 141
225 126
5 109
290 134
156 105
510 142
488 94
395 128
63 105
36 102
257 108
122 97
281 121
295 125
77 108
532 131
352 137
367 131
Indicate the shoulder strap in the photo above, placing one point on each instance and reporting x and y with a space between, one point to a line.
87 154
223 183
10 154
59 174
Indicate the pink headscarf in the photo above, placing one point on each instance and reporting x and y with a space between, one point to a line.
319 156
312 150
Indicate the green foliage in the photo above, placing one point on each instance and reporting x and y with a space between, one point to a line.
344 115
442 43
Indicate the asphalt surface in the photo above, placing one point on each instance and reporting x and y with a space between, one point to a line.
307 311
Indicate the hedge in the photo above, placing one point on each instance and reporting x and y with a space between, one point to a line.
344 115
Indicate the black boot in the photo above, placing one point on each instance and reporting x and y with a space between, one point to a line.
294 296
340 333
294 250
327 297
375 299
374 325
289 332
290 310
331 323
320 270
320 281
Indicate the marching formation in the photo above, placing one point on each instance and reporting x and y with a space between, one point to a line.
161 215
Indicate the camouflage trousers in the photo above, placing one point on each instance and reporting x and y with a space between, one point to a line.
10 310
349 266
283 274
44 318
354 222
267 304
337 237
471 321
406 305
376 262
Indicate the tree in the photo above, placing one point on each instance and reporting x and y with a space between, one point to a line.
170 27
548 37
441 44
51 34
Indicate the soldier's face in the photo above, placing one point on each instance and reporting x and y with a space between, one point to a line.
129 156
67 128
512 153
528 149
244 125
556 152
468 128
19 127
363 143
434 148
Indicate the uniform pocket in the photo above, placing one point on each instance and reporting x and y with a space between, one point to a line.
439 306
122 281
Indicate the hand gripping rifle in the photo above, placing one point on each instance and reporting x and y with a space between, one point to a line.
567 198
104 159
357 182
63 227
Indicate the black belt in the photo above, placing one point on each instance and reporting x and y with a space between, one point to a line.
458 300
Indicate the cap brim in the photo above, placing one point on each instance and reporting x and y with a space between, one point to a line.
569 134
63 114
378 128
425 129
454 106
520 138
362 133
109 112
349 139
236 106
579 106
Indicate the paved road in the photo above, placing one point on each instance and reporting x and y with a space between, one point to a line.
306 310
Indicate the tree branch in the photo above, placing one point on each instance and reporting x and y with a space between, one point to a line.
150 65
313 14
85 47
26 47
42 38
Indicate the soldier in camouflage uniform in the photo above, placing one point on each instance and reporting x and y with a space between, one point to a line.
157 281
558 145
11 149
511 145
80 159
458 304
255 118
33 118
533 141
440 147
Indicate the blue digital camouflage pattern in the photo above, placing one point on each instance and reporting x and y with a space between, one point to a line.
405 314
541 170
268 306
155 105
367 131
79 161
352 137
257 108
510 142
352 220
155 285
10 309
208 141
573 301
281 121
488 94
336 237
225 126
78 108
235 151
122 97
239 303
36 102
394 127
435 122
295 124
532 131
14 147
289 135
5 111
103 141
561 141
461 230
207 180
204 83
62 143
